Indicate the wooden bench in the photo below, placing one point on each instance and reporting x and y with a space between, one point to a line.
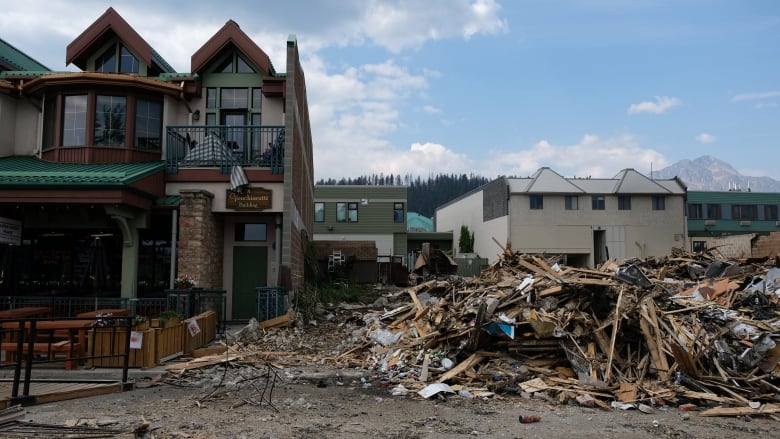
71 350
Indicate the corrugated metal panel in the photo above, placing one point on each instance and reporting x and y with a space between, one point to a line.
19 59
352 193
30 171
706 197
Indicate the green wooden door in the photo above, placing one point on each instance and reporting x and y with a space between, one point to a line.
250 270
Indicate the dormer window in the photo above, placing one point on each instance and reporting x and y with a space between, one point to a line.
107 62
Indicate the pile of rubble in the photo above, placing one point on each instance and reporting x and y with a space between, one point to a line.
688 328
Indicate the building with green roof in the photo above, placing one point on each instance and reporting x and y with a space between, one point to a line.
206 174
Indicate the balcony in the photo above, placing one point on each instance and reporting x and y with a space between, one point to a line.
224 146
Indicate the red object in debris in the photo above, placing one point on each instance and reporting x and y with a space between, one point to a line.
687 407
527 419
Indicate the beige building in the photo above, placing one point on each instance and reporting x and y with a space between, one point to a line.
587 220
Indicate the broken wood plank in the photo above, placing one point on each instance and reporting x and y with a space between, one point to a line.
741 411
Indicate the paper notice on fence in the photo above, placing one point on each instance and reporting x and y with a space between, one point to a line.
193 328
136 339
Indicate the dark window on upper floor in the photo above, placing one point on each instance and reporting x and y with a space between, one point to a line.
659 202
211 97
74 121
744 212
127 62
319 212
597 202
699 246
257 98
234 98
148 125
107 121
536 202
695 211
624 202
347 212
398 212
110 120
107 62
714 211
234 63
572 202
770 212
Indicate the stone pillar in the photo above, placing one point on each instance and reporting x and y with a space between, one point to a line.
200 240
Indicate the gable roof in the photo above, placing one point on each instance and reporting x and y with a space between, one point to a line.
548 181
14 59
107 25
229 34
632 182
627 181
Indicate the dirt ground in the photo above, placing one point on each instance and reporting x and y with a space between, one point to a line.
303 408
308 397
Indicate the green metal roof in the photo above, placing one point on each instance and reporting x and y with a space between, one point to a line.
169 200
733 197
159 59
28 172
19 59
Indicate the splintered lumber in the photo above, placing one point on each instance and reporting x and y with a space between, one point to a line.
282 320
742 411
649 325
615 326
461 367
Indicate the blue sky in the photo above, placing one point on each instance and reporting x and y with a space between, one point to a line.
490 87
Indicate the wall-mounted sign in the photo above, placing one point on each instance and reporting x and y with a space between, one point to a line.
253 198
10 231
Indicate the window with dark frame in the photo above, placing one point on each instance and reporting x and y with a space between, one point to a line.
598 203
74 121
352 209
714 211
148 125
624 202
572 202
398 212
211 97
341 212
536 202
770 212
746 212
319 212
110 120
659 202
699 246
695 211
234 98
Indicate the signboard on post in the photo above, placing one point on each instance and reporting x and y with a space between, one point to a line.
253 198
10 231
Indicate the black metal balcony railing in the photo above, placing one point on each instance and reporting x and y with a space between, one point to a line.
224 146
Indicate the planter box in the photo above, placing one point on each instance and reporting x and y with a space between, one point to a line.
108 344
207 322
157 345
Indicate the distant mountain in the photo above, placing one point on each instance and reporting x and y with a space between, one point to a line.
707 173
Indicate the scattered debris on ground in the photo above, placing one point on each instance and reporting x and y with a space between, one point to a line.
689 330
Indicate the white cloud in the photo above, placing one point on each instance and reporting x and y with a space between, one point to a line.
705 138
401 24
661 104
591 156
430 109
755 96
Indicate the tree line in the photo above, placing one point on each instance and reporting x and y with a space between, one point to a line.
423 195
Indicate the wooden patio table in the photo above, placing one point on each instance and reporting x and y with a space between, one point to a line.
110 312
26 311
